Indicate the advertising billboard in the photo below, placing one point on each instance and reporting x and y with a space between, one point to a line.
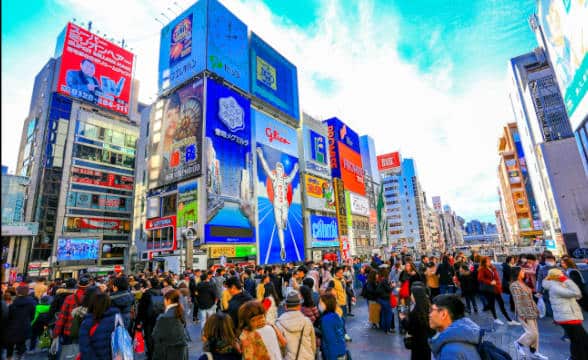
229 180
76 249
187 213
437 204
95 70
351 170
358 205
99 201
389 161
340 206
324 231
319 194
316 153
101 178
273 78
342 133
161 233
281 235
176 147
565 26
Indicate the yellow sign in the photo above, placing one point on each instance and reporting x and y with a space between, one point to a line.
218 251
266 74
314 186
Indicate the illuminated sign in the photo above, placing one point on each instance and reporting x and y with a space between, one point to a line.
271 132
359 205
351 170
324 231
319 194
318 147
388 161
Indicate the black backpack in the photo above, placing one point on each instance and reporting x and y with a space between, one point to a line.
156 306
489 351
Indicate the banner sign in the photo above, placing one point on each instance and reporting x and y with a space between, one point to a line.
388 161
165 238
20 229
187 211
351 170
95 70
342 133
319 194
230 179
324 231
359 205
232 251
340 206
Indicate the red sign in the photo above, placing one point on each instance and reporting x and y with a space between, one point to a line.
97 223
161 240
95 70
274 135
389 161
93 177
351 169
117 268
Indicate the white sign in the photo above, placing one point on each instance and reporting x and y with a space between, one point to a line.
359 204
20 229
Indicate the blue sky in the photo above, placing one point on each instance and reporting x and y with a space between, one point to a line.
427 78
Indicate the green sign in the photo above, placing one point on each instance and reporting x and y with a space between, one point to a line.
245 250
187 204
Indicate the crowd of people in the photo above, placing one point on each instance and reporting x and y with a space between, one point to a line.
298 312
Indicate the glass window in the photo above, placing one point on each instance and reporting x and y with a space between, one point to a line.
118 138
130 141
169 205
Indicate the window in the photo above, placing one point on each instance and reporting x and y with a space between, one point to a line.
169 205
118 138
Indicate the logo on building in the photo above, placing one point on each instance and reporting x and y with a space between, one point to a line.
318 148
274 135
266 74
324 228
231 114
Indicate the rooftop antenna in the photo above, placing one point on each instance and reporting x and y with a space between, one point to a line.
165 16
90 25
160 21
173 12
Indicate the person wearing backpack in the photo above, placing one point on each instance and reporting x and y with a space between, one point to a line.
17 327
97 327
150 307
122 299
68 320
40 321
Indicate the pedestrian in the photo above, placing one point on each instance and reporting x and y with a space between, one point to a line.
17 327
445 273
185 299
571 271
70 318
205 298
383 291
309 307
123 300
270 303
170 339
40 288
457 336
416 324
527 312
508 278
41 321
151 305
491 287
68 288
309 281
468 285
97 327
218 281
238 298
432 279
564 293
338 286
333 345
370 294
528 264
259 341
248 282
542 271
297 329
219 338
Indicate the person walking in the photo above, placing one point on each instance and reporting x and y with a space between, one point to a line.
491 288
205 298
445 273
542 271
123 300
41 321
17 327
468 285
270 303
571 271
97 327
333 345
383 291
432 279
370 294
508 278
151 305
297 329
67 318
563 294
170 339
40 288
219 338
417 323
238 298
259 341
338 286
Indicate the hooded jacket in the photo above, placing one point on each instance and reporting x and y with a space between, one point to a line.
95 343
123 300
458 342
17 327
296 327
563 296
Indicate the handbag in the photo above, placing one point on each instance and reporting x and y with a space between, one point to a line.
120 341
405 290
393 301
408 341
300 343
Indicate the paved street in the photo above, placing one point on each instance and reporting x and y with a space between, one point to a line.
369 344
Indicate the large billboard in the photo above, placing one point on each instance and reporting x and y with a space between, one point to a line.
187 213
316 153
281 235
389 161
205 36
324 231
274 79
341 207
95 70
351 170
342 133
319 194
176 146
229 180
565 25
358 205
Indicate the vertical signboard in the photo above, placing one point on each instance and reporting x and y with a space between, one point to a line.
340 206
187 213
229 180
525 177
281 237
343 133
95 70
273 78
565 26
176 141
316 153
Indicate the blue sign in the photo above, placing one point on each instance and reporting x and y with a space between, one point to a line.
227 45
230 180
344 134
550 244
271 132
273 78
318 147
182 48
281 235
324 231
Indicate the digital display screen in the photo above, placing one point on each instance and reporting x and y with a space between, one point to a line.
76 249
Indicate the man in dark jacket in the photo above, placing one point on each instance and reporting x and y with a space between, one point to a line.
122 299
59 298
150 306
218 281
65 318
17 328
239 297
206 298
249 283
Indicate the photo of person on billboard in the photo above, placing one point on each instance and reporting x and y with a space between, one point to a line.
83 80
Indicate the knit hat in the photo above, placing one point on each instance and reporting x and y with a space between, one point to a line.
293 299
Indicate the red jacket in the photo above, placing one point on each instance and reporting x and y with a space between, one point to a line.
486 275
64 321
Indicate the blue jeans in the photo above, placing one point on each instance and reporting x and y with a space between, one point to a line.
444 289
386 315
204 314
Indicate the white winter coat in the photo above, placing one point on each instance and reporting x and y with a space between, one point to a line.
291 324
563 298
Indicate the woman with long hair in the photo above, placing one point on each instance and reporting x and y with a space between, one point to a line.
416 323
259 340
432 279
170 338
97 327
220 339
370 295
270 303
383 290
309 308
333 345
445 273
491 287
573 273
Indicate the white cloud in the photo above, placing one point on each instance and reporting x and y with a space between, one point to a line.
452 137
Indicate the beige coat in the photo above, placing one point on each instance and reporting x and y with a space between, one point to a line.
296 327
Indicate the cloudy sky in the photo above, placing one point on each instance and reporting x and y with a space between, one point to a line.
426 77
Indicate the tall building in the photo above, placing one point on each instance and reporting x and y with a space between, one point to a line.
501 229
372 185
474 227
546 135
452 228
78 149
520 211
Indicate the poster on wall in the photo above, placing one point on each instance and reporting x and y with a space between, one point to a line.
319 194
229 168
323 231
187 213
177 154
95 70
281 235
273 78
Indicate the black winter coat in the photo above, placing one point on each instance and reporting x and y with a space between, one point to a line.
383 290
17 327
234 305
169 337
206 295
370 291
445 272
123 301
469 284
